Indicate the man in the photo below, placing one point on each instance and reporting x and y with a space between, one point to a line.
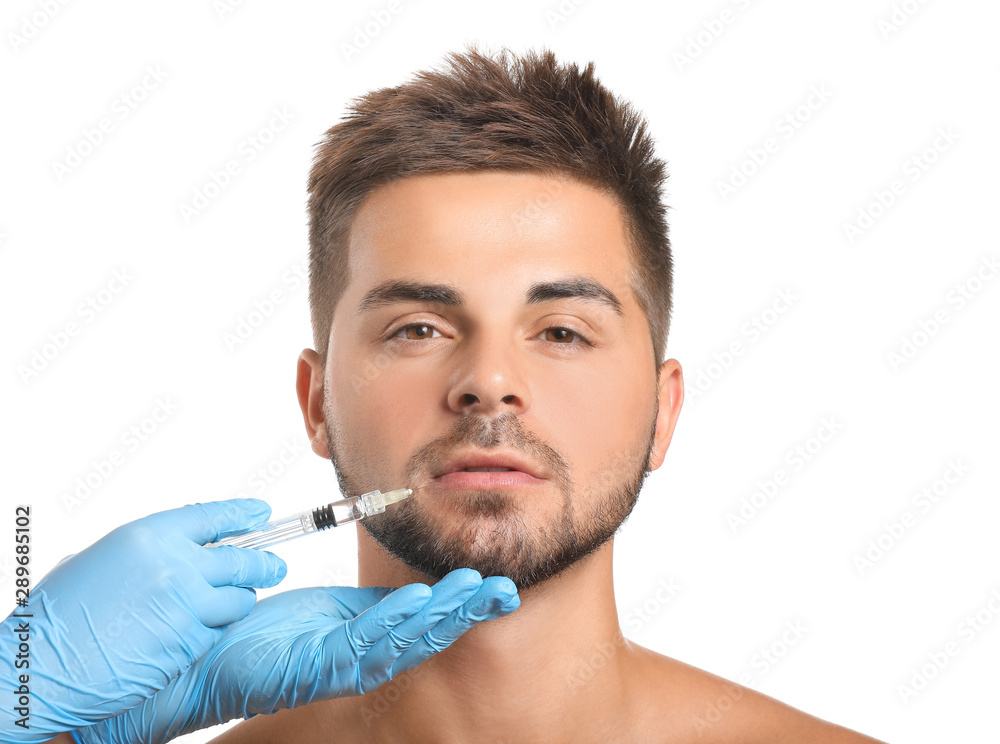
491 287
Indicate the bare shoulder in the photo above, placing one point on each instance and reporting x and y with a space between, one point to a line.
687 704
278 728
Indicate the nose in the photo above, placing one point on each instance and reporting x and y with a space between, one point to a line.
490 382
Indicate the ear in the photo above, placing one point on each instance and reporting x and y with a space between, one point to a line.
309 386
670 395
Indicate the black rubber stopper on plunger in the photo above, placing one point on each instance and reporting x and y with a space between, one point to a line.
323 517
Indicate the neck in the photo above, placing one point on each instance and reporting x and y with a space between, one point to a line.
552 670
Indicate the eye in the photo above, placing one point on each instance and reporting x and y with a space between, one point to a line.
423 328
565 333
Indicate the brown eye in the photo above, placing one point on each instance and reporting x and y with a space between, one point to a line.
413 332
417 331
562 333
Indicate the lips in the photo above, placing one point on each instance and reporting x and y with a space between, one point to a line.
495 459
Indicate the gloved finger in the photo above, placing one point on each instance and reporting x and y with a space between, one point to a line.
497 597
223 605
349 602
205 523
348 643
229 566
450 593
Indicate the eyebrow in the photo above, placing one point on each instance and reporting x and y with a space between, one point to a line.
571 288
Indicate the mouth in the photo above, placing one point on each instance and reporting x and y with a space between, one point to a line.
489 470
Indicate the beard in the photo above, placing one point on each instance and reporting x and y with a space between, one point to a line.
496 531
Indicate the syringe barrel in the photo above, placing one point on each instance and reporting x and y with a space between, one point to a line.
351 509
272 532
338 513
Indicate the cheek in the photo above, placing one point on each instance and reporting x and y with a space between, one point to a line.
600 416
380 406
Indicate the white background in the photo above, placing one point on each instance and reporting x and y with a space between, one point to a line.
824 357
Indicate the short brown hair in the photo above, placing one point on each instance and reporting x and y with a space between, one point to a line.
499 112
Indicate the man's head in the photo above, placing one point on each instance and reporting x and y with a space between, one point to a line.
502 113
490 273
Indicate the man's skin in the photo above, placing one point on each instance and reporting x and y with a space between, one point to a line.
558 669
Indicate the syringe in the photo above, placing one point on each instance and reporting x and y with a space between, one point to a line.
333 514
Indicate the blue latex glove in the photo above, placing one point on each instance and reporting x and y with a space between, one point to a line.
117 622
313 644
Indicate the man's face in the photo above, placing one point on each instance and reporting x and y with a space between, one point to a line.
488 362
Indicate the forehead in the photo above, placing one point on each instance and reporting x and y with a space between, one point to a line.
463 225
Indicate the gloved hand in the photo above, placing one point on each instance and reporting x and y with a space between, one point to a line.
312 644
117 622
